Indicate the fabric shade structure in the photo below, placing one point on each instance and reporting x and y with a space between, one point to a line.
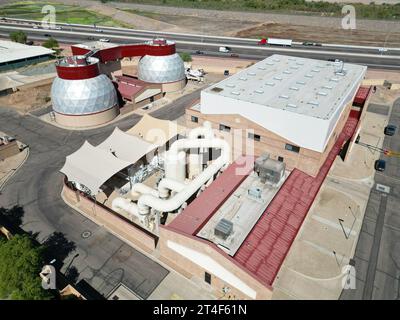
155 130
126 147
92 166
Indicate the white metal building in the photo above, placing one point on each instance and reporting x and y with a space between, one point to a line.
296 98
14 55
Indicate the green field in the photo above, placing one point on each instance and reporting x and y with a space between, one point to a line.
67 14
371 11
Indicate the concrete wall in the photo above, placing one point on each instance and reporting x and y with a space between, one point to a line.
306 160
241 284
89 120
112 222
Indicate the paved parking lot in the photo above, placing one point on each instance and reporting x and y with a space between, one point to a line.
377 257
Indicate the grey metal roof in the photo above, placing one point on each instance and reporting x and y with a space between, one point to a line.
310 87
12 51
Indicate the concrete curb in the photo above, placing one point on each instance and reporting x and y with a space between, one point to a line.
14 171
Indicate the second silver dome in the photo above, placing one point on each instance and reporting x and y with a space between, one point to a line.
161 69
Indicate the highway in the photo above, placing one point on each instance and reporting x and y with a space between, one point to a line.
242 47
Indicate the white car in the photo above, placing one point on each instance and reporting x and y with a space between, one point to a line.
104 40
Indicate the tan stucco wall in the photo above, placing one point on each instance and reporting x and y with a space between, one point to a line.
306 160
174 86
87 120
189 269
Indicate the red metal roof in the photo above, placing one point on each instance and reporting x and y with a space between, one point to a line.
128 91
200 210
268 243
361 96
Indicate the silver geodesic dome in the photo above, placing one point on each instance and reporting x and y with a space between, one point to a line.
161 69
78 97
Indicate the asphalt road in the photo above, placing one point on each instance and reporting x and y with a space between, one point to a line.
104 260
245 48
377 256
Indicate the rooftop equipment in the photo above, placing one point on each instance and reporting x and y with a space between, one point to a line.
269 170
223 229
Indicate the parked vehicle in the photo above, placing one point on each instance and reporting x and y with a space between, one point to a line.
390 130
199 52
380 165
99 30
104 40
226 73
234 55
224 49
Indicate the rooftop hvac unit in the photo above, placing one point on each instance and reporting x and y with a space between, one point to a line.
254 192
223 229
269 170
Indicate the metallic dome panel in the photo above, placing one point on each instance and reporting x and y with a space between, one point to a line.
161 69
79 97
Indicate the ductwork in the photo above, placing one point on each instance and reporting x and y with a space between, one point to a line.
167 184
141 188
126 205
147 201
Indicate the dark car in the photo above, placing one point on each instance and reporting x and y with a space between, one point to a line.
234 55
308 43
199 52
226 73
390 130
47 35
380 165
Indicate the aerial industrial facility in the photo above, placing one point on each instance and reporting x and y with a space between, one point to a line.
207 210
84 95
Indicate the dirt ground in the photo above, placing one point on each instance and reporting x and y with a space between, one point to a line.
324 34
22 101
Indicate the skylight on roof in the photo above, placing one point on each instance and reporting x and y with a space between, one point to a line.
271 84
294 88
259 91
327 87
308 75
301 82
235 93
287 72
284 96
322 93
277 78
291 105
314 103
243 78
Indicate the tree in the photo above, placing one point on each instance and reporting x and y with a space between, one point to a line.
18 36
185 56
50 43
20 263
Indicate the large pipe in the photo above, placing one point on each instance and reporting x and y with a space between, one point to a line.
126 205
167 184
141 188
147 201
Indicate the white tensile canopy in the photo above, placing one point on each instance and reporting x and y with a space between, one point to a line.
126 147
155 130
92 166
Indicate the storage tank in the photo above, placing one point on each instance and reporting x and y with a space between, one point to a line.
167 70
81 96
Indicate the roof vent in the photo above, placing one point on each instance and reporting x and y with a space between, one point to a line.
284 96
301 82
294 88
271 84
314 103
322 93
259 91
217 89
291 105
250 73
278 78
230 85
261 68
308 75
327 87
287 72
235 93
269 63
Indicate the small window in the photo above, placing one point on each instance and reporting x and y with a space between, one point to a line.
194 119
207 277
253 136
280 159
225 128
292 148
